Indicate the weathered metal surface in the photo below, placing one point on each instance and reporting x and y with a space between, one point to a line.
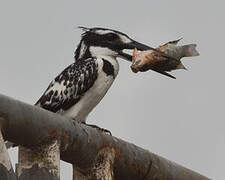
104 164
41 162
6 170
78 175
102 168
80 145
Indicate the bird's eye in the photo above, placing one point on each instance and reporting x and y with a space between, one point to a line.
111 36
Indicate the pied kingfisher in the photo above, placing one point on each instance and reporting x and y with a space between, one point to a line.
82 85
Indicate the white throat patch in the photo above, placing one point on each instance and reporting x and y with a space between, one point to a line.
102 51
83 49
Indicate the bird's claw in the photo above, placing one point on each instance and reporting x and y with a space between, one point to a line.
100 129
105 131
77 122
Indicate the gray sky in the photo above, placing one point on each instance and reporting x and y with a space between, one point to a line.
182 120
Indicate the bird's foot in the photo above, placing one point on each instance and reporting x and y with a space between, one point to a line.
99 129
79 123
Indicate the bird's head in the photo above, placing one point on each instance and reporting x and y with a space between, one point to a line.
106 42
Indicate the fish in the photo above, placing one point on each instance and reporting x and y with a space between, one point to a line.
153 60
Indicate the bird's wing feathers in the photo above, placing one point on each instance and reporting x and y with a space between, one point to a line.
69 86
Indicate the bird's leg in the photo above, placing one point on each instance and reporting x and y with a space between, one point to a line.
98 128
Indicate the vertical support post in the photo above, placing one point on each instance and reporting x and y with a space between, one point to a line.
42 163
6 170
77 175
102 168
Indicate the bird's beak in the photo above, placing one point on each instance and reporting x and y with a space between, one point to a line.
132 45
140 47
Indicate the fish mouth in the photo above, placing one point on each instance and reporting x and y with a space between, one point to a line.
131 46
134 68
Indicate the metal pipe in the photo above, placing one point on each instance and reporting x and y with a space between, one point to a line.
81 145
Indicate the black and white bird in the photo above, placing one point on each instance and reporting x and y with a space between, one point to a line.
82 85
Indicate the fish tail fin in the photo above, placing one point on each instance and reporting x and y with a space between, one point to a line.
190 50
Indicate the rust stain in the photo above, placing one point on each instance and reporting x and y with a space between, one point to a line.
104 162
67 137
107 149
53 132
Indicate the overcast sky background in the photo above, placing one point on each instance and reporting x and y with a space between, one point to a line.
182 120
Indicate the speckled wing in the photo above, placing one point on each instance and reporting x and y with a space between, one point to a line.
69 86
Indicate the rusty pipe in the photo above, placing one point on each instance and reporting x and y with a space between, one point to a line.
31 126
